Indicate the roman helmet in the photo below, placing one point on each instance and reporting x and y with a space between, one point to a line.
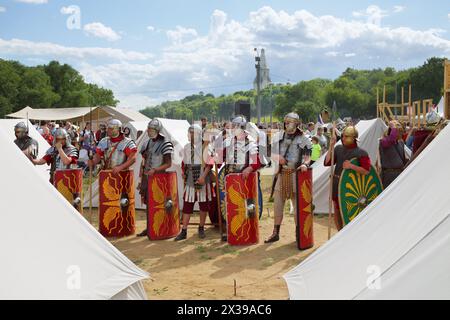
154 128
238 125
116 127
195 131
21 130
61 135
350 135
291 122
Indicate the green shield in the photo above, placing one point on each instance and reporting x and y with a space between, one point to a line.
357 191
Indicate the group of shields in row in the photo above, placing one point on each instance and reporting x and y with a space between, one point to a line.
239 205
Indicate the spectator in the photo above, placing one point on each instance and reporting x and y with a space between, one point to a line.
101 132
316 150
323 142
87 138
47 135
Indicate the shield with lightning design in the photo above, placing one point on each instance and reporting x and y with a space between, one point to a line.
242 208
305 234
116 208
163 209
70 184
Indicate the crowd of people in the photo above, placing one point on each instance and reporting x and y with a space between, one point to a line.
231 145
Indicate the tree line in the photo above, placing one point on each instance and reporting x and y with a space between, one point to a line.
354 91
53 85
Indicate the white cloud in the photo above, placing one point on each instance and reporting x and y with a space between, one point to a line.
2 9
399 9
99 30
179 34
30 48
373 13
33 1
151 28
299 45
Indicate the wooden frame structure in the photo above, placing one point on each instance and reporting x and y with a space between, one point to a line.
447 89
410 111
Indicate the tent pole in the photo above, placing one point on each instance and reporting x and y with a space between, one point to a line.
330 197
90 173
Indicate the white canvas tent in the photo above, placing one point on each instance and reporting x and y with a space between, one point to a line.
7 126
49 251
440 107
177 132
80 115
399 244
369 132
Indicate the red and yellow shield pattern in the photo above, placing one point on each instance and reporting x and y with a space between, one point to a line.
70 184
242 221
163 208
305 215
115 218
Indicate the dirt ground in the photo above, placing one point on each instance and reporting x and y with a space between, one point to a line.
207 269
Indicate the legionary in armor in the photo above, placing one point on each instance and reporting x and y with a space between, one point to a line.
294 153
117 151
392 153
238 151
156 158
343 153
62 155
197 181
26 144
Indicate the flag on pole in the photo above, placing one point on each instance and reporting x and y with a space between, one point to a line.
319 119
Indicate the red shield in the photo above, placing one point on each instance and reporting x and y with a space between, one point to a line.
305 234
70 184
242 208
116 197
163 209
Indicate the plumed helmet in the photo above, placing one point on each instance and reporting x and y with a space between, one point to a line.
292 116
155 124
239 121
433 117
351 131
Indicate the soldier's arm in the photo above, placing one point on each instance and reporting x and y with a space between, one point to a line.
39 162
167 163
130 161
363 168
64 158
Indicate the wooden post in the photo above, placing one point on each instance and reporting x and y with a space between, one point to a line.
330 198
447 89
410 105
403 101
378 103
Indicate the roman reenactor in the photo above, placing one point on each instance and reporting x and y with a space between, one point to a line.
62 155
26 144
117 152
197 180
156 158
294 153
392 153
237 150
343 154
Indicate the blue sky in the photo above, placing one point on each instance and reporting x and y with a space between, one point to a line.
151 51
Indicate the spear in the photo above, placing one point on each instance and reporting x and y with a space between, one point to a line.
330 197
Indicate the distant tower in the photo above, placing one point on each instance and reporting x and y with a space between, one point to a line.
264 73
262 79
